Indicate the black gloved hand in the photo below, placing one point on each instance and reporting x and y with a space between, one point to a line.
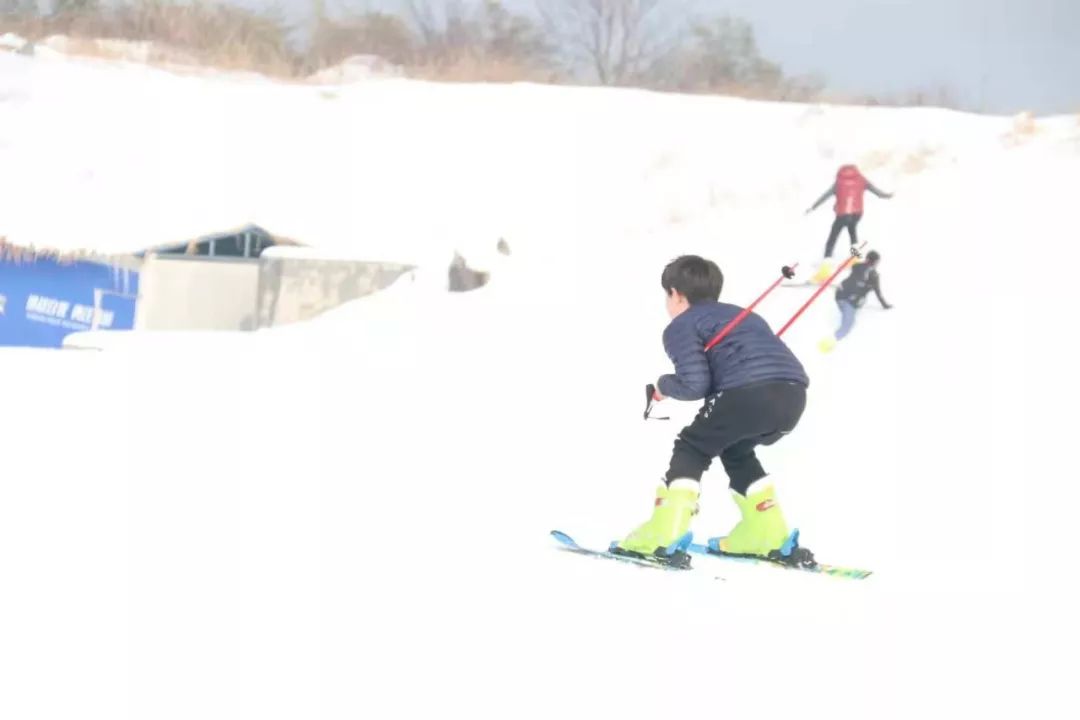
652 395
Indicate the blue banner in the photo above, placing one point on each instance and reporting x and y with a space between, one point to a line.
43 300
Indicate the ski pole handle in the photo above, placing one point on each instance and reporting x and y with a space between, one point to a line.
650 395
855 254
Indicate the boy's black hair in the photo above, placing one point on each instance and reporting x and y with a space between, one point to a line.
700 280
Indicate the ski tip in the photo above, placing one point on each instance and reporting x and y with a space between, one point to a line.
844 572
562 537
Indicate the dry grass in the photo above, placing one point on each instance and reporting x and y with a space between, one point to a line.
786 91
918 161
211 35
910 163
1024 127
467 69
15 253
875 160
941 98
221 37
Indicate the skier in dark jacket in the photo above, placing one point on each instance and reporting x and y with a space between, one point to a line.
754 390
852 293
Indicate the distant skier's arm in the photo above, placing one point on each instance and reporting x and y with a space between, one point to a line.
828 193
875 282
692 378
879 193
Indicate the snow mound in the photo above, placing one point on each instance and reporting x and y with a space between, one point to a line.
357 68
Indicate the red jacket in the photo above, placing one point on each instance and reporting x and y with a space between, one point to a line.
849 188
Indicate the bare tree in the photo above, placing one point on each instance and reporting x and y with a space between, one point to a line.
60 7
374 33
487 31
18 7
719 55
451 33
619 40
514 37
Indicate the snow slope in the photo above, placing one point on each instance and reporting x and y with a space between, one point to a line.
228 525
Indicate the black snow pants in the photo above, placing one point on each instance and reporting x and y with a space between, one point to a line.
850 222
730 425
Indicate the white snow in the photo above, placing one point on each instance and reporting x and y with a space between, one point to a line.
349 518
11 41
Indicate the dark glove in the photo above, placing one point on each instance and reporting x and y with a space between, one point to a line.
652 395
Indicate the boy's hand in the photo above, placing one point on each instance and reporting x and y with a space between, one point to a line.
656 396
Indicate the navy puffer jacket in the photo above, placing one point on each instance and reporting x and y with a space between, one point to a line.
751 353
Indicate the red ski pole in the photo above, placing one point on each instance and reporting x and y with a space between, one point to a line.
786 273
854 254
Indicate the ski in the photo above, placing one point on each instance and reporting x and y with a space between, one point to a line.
680 560
807 284
568 544
811 566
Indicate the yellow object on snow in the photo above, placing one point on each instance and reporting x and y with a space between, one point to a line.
827 344
824 271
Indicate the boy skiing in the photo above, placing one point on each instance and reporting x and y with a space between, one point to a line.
849 188
851 295
754 390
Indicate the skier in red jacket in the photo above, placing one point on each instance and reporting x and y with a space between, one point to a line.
849 188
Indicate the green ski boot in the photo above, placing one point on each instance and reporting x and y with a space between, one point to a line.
674 509
762 529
